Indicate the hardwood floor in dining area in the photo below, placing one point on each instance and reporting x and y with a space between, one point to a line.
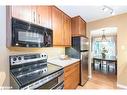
101 81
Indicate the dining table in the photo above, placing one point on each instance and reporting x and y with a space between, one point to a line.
107 59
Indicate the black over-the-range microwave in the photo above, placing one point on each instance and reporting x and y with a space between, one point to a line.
25 34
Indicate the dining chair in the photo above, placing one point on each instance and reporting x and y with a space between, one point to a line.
97 64
111 65
104 64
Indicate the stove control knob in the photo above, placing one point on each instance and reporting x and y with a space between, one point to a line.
19 58
14 59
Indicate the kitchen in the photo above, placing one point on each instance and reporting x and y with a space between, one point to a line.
51 43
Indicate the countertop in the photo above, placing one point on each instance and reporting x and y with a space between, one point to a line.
63 63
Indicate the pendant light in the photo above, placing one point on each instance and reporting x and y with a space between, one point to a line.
103 38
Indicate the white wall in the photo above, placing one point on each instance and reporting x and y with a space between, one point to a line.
4 67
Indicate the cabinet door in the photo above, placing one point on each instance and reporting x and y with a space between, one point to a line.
78 26
57 24
70 82
82 27
75 26
71 76
67 30
22 12
77 79
44 16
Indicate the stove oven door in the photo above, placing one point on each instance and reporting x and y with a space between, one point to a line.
56 83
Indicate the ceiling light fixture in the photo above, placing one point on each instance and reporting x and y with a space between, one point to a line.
105 9
108 9
103 37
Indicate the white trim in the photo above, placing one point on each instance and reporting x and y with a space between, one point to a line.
121 86
90 77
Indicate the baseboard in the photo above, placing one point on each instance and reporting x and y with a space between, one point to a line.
90 77
121 86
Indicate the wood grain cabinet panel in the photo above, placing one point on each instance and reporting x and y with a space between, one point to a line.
67 30
44 16
26 13
78 26
22 12
71 76
57 25
61 24
82 27
70 82
40 15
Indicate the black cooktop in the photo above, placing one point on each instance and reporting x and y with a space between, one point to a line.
27 79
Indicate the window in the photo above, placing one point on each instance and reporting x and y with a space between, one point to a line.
109 44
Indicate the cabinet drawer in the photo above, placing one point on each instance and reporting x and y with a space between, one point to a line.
70 69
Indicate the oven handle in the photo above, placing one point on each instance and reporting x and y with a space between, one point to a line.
58 85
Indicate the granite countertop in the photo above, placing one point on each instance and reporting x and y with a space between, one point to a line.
62 62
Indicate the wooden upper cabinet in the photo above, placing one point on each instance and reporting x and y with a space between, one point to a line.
26 13
40 15
61 24
21 12
82 27
57 25
67 30
44 16
78 26
47 16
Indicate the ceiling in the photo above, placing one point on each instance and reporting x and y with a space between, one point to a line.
91 13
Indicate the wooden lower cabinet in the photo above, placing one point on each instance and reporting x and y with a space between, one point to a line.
72 76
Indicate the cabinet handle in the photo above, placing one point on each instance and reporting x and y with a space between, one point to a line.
39 18
34 16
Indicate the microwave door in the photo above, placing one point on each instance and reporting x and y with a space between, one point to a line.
30 35
29 39
19 37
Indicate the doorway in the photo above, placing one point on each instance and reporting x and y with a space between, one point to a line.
103 45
